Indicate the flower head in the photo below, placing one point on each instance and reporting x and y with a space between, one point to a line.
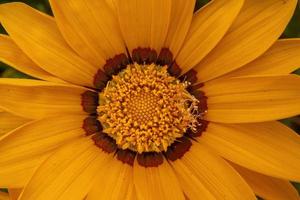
148 100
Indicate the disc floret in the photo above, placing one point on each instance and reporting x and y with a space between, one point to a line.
145 109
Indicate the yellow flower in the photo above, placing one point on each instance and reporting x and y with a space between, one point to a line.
148 100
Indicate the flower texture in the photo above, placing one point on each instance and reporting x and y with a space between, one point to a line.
145 99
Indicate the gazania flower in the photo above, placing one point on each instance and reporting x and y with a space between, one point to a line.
148 100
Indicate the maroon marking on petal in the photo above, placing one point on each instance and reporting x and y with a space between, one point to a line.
89 102
91 125
144 55
203 105
174 70
150 159
190 76
198 94
100 80
126 156
105 142
199 129
178 148
165 57
114 65
191 88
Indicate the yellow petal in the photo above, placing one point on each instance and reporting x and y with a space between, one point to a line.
204 174
269 148
156 182
17 174
4 196
115 182
144 23
255 29
37 99
281 58
14 193
208 27
253 99
67 174
268 187
38 36
9 122
21 149
100 38
112 5
181 18
190 183
12 55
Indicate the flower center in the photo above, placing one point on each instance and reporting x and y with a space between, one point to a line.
144 109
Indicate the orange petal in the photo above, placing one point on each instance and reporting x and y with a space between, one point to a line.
252 99
14 193
281 58
38 36
12 55
181 18
115 181
203 174
100 38
67 174
144 23
4 196
269 148
9 122
256 28
36 99
268 187
156 182
22 150
208 27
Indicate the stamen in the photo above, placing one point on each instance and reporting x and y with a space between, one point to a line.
112 66
198 130
190 76
145 109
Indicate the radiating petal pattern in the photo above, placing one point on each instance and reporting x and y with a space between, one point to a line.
268 187
181 18
37 99
38 36
115 181
67 174
9 122
22 150
256 28
100 39
144 23
269 148
281 58
208 27
252 99
203 174
156 182
11 54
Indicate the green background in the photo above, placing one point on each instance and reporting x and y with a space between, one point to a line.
292 31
